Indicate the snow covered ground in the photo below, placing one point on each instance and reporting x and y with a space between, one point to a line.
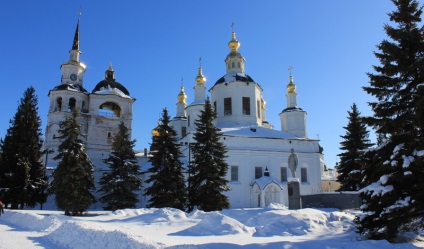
272 227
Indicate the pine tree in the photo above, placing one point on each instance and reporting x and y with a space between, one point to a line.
355 141
207 176
393 172
23 174
121 182
168 186
73 178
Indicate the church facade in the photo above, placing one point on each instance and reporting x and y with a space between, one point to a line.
99 112
262 160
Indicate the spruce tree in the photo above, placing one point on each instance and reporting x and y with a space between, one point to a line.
120 184
73 178
354 143
23 174
166 174
207 175
393 172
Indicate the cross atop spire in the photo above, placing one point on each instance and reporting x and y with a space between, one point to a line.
200 62
290 70
232 27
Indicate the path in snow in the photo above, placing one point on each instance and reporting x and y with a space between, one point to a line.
11 238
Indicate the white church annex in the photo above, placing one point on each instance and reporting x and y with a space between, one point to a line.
258 155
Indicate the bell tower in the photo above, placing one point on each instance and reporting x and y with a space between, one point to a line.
73 70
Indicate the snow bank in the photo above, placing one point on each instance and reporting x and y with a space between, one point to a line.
215 223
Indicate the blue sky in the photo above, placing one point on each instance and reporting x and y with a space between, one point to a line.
154 44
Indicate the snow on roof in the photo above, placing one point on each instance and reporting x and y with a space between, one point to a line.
112 90
257 131
264 181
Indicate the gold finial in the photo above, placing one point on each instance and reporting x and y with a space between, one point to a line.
233 44
182 96
291 87
200 79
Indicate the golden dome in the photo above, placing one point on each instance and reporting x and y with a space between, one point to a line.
200 79
182 96
233 44
155 132
291 87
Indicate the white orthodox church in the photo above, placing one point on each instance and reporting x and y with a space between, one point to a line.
258 155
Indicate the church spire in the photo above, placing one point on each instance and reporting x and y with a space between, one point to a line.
291 91
234 60
75 44
75 52
200 78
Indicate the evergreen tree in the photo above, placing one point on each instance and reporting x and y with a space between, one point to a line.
119 184
355 141
168 186
22 173
207 176
73 177
393 172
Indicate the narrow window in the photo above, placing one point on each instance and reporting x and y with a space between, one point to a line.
234 174
183 131
227 106
258 172
258 107
59 103
246 106
71 104
214 106
304 174
109 134
188 121
283 174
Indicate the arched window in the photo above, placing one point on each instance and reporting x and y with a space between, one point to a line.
109 109
58 104
71 104
233 65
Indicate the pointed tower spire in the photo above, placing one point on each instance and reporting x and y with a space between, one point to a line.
75 43
75 52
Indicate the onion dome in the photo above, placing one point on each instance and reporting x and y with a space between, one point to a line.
233 44
182 96
155 131
200 79
110 82
291 87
